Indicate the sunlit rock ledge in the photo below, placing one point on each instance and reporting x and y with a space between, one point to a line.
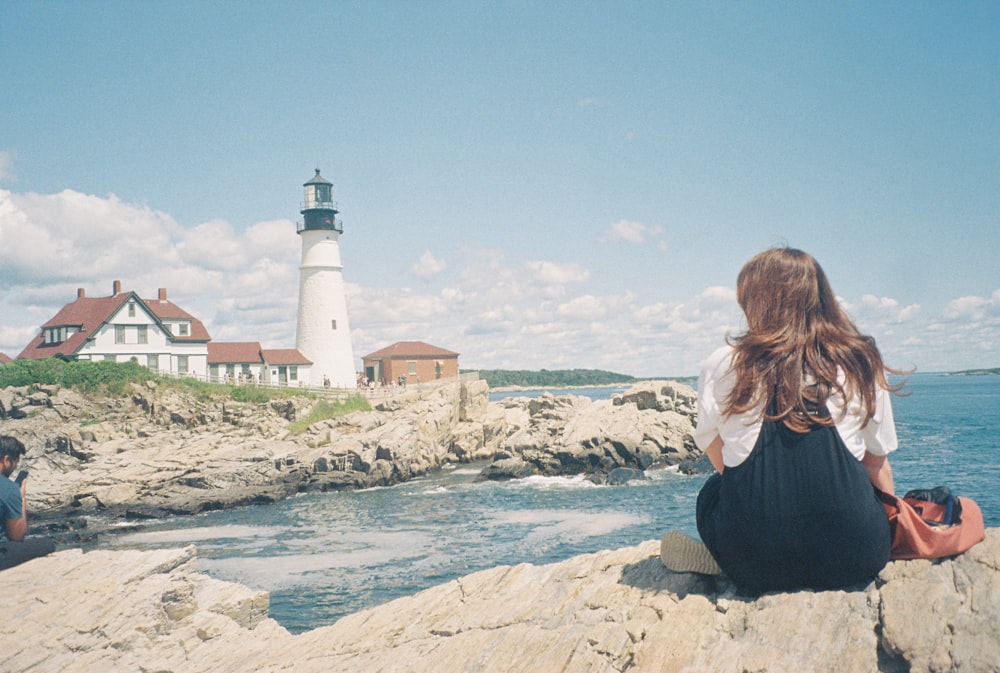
610 611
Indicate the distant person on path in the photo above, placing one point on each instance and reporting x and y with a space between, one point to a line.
795 416
14 548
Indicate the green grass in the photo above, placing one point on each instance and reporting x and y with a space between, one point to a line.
113 378
324 409
86 375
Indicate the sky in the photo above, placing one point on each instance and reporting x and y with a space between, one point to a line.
530 184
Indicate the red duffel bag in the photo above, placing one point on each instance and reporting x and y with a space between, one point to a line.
932 523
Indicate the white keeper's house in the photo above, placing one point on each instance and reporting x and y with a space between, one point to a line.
153 332
162 336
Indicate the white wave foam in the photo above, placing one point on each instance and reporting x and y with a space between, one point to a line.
538 481
568 525
314 558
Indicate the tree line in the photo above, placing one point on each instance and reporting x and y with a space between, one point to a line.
569 378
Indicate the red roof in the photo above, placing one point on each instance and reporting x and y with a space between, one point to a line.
5 359
164 309
234 352
88 314
410 349
284 356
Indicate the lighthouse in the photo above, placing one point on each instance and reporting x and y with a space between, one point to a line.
323 333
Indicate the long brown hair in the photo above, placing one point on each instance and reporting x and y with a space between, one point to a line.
798 340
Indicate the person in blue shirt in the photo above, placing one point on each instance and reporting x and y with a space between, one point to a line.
14 548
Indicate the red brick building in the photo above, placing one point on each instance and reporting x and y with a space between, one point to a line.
415 360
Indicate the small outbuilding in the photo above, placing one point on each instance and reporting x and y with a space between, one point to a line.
247 362
415 360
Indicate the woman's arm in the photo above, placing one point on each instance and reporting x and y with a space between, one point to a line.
714 453
879 472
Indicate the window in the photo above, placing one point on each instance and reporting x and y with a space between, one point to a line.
246 370
182 364
143 334
182 329
153 362
55 335
293 373
213 372
411 367
131 309
119 334
333 324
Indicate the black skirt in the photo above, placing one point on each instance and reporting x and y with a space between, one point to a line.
799 513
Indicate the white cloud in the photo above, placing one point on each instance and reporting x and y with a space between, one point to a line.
886 310
428 266
524 315
555 274
974 308
633 232
7 165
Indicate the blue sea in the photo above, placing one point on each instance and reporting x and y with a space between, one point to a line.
322 556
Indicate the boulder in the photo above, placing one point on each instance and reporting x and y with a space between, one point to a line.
649 425
610 611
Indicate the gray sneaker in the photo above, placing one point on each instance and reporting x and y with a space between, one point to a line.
683 554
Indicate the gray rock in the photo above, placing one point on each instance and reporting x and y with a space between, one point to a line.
507 468
161 451
650 424
623 475
611 611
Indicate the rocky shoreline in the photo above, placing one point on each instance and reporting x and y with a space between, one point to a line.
613 611
158 452
161 451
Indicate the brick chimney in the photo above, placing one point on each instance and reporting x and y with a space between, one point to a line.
116 288
80 293
163 294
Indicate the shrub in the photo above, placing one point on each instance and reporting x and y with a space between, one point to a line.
324 409
86 375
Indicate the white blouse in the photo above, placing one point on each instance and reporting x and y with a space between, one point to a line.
739 433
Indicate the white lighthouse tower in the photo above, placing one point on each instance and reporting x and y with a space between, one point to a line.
323 333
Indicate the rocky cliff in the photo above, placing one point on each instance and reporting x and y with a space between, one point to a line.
613 611
161 450
652 424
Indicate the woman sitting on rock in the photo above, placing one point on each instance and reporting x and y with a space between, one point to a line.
795 416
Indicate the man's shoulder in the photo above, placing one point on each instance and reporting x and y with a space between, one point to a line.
10 494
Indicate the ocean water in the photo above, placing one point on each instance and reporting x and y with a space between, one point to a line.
322 556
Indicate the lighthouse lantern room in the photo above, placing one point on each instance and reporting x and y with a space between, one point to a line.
323 332
319 210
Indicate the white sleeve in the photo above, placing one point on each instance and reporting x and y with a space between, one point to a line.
709 411
880 432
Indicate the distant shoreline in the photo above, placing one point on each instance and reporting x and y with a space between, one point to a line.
621 384
514 389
